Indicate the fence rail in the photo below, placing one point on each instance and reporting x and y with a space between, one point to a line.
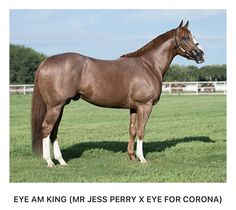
195 88
21 89
186 88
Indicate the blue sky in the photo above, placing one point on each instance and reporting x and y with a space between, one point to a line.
107 34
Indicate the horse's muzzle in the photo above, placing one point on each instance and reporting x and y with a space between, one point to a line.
198 55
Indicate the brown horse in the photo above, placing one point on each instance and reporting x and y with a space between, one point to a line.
133 82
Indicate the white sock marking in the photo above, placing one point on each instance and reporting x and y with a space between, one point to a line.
57 153
46 151
139 151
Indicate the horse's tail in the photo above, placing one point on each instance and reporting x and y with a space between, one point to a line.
38 111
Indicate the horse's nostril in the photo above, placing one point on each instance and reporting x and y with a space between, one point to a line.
195 52
199 51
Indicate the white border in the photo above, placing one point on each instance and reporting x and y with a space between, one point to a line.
113 4
226 190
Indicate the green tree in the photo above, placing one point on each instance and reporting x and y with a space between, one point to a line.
23 63
213 72
193 73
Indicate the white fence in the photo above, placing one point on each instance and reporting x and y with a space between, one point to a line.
195 88
187 88
21 89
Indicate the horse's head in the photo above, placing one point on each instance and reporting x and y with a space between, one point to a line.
186 45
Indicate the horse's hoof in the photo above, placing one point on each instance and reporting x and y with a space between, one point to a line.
63 164
132 156
51 165
142 160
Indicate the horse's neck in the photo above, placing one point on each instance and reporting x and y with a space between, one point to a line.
160 57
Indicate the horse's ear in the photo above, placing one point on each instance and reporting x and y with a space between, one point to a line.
186 25
181 24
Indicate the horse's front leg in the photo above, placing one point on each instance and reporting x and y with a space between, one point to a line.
143 113
132 131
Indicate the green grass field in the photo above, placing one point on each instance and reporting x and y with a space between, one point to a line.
185 141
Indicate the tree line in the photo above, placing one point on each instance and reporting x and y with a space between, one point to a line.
193 73
24 61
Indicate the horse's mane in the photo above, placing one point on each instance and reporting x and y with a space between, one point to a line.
152 44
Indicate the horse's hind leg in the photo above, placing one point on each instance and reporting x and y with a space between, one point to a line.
54 140
49 121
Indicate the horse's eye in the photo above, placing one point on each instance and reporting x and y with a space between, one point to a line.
186 38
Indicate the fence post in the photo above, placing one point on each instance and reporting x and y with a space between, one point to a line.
196 88
24 89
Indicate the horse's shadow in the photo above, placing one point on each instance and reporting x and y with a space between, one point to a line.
77 150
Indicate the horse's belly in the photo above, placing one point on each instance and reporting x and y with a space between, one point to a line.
107 99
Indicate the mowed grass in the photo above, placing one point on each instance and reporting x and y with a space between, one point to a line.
185 141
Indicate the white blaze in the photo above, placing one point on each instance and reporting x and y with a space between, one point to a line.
196 43
194 40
